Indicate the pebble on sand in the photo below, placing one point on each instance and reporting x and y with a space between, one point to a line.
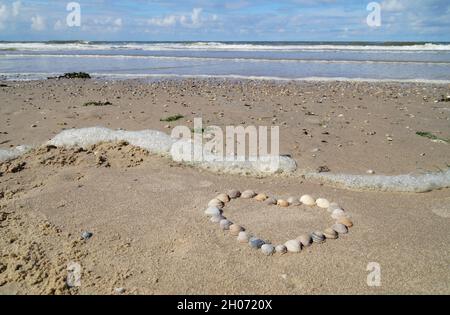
255 242
330 233
86 235
293 246
234 193
261 197
283 203
305 240
212 211
322 203
345 221
294 201
281 249
337 214
217 218
271 201
333 206
318 237
243 237
225 224
267 249
216 203
340 228
248 194
224 198
235 229
308 200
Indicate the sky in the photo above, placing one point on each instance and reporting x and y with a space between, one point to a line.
225 20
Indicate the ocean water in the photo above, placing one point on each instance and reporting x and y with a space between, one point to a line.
416 62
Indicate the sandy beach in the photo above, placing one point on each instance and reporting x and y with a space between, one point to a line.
145 212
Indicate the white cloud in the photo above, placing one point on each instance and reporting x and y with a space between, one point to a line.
58 26
38 23
16 7
3 16
194 19
118 22
392 5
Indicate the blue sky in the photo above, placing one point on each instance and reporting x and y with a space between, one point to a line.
321 20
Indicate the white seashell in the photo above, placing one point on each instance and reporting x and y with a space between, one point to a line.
267 249
293 246
293 201
337 214
248 194
333 206
243 237
216 218
271 201
305 240
225 224
224 198
281 249
322 203
308 200
283 203
261 197
212 211
216 203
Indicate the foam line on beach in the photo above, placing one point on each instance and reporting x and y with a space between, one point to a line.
10 154
395 183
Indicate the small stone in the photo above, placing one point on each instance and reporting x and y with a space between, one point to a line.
225 224
370 172
243 237
212 211
330 233
293 246
305 240
322 203
318 237
255 242
86 235
283 203
340 228
267 249
281 249
234 193
345 221
216 203
224 198
235 229
248 194
261 197
271 201
119 290
294 201
337 214
308 200
217 218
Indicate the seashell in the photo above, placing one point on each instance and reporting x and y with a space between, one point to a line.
234 193
283 203
216 218
212 211
322 203
243 237
337 214
293 201
267 249
235 229
345 221
261 197
333 206
330 233
271 201
318 237
225 224
340 228
248 194
255 242
281 249
307 200
224 198
216 203
305 240
293 246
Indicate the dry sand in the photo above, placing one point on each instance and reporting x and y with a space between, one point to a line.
146 212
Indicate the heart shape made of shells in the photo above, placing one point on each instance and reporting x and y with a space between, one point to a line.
341 226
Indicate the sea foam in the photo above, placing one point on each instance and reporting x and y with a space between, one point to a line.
396 183
6 155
